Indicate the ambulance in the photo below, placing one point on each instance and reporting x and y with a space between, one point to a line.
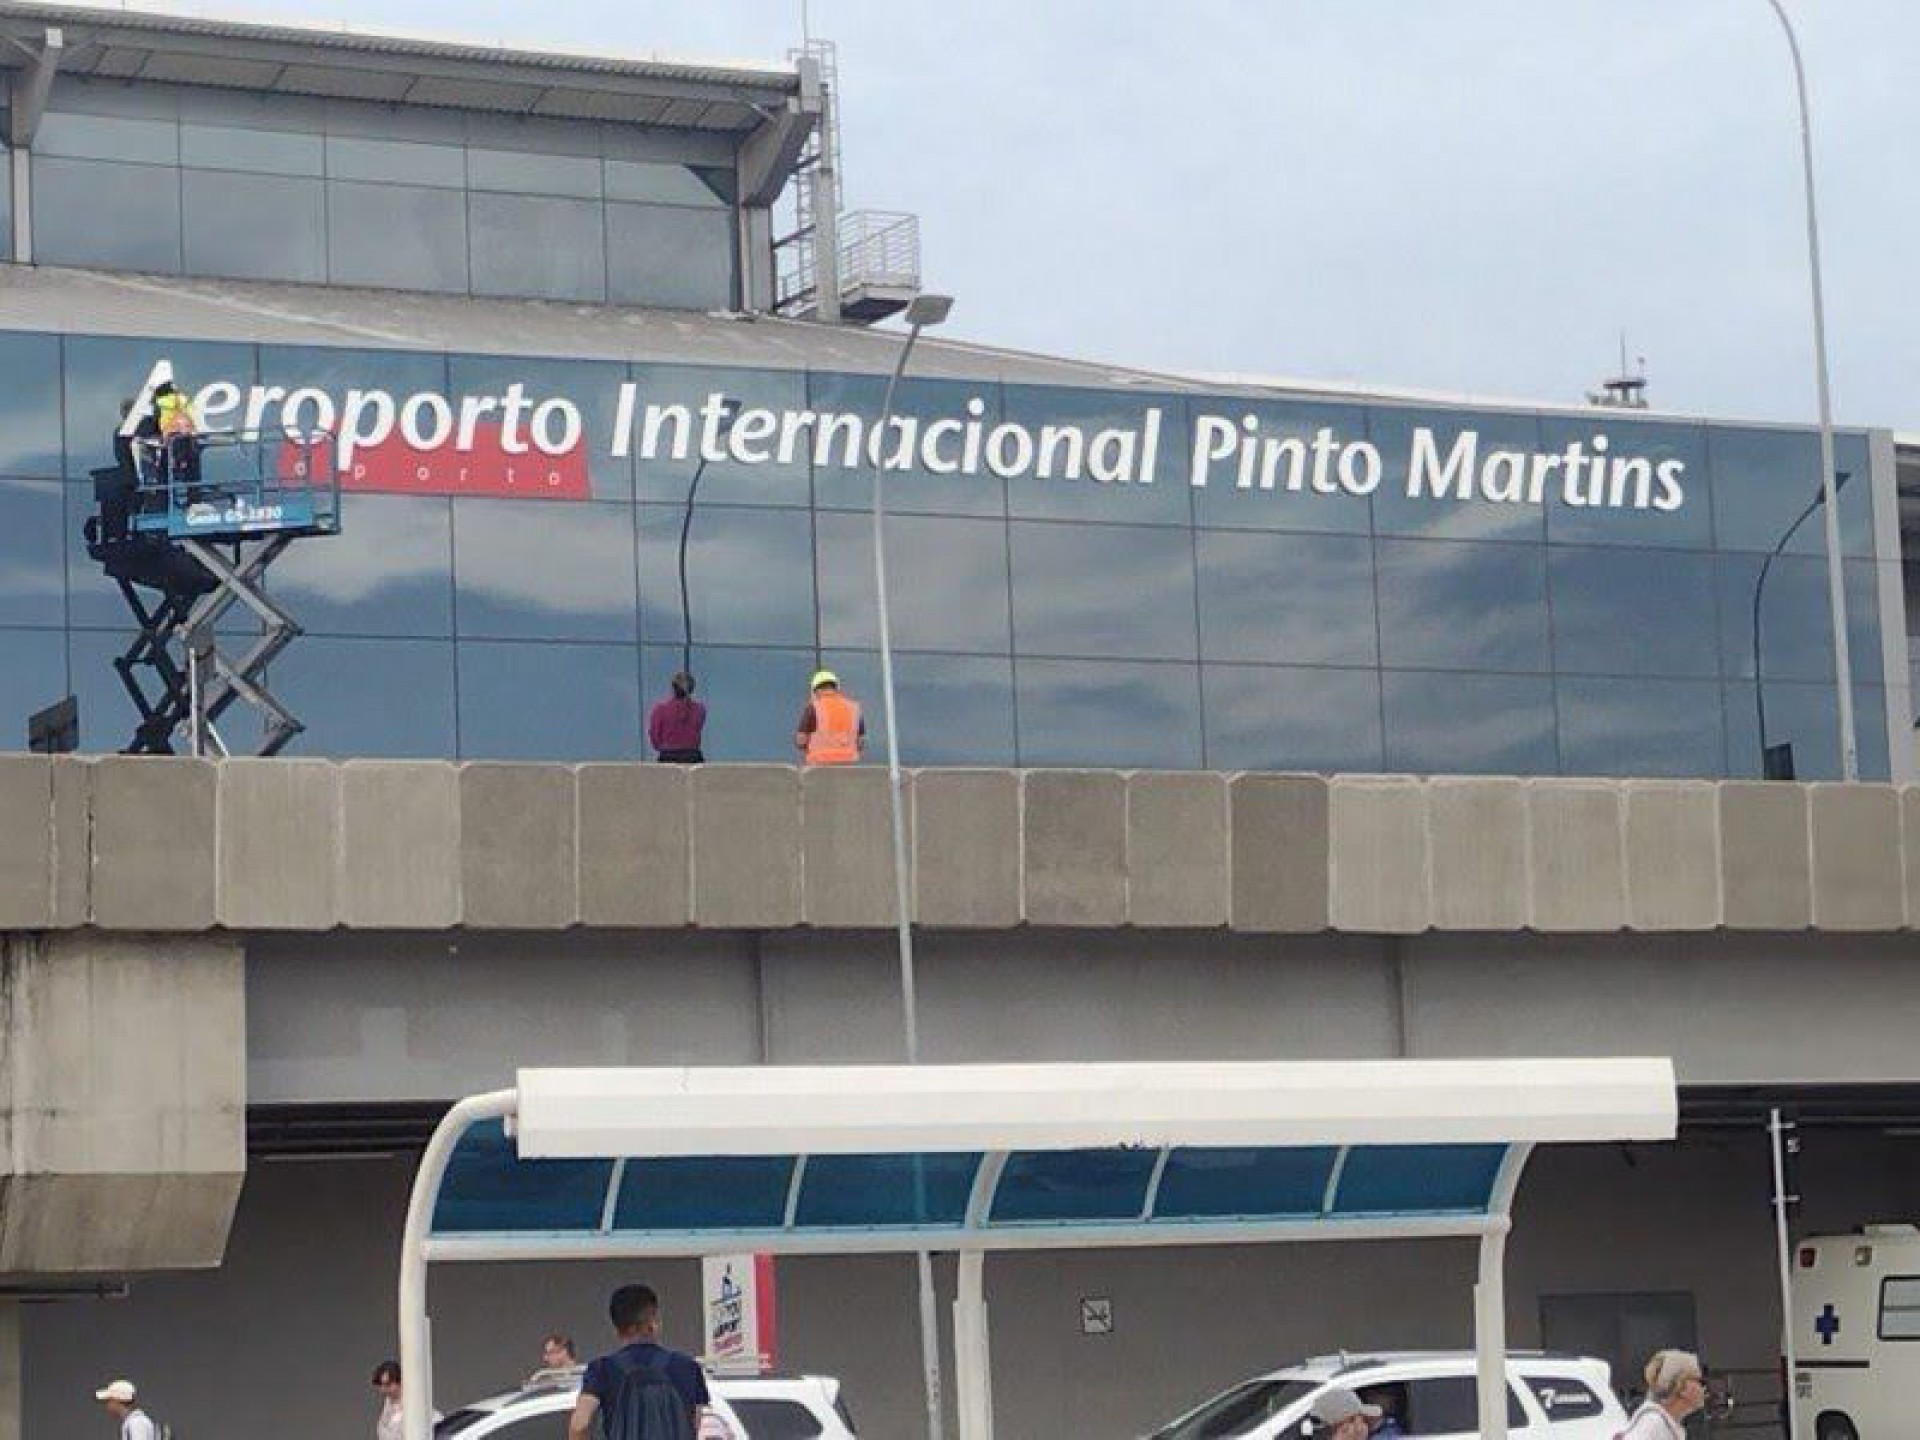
1856 1335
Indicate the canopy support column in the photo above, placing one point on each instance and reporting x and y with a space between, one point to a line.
416 1346
972 1355
1490 1296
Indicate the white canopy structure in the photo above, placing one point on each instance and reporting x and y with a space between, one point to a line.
604 1163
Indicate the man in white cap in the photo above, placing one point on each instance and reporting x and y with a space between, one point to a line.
119 1398
1339 1414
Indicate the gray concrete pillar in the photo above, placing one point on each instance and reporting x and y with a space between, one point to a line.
123 1101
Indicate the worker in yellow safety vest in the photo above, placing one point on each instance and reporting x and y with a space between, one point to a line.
179 440
831 731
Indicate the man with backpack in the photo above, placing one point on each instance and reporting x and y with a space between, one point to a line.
642 1391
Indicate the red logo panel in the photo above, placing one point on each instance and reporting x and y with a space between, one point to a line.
393 466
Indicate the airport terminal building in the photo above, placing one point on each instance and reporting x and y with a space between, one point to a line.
539 306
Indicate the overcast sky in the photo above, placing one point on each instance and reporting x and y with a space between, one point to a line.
1462 195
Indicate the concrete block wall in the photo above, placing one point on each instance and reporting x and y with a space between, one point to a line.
186 845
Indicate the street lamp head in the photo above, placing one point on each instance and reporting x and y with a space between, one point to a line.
925 310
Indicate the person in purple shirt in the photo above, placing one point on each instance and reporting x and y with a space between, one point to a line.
674 725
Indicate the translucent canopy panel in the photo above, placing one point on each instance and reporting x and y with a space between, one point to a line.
958 1198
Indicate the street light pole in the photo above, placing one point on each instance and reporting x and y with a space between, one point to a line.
728 409
1836 578
925 310
1759 589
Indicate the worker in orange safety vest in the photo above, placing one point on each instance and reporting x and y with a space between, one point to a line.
831 731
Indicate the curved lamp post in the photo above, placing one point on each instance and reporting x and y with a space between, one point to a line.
1829 490
924 310
728 410
1769 770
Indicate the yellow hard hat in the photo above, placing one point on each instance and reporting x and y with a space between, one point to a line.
824 677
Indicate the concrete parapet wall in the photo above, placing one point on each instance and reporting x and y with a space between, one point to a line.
146 844
123 1100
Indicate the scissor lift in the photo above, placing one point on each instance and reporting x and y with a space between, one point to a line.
190 537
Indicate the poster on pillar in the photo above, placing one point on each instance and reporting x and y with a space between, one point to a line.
738 1299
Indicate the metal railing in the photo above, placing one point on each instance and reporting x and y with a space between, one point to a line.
880 248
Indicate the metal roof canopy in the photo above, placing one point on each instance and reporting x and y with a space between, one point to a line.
181 46
609 1163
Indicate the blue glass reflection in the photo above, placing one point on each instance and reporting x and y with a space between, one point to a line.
1070 491
1218 1183
1116 590
1466 724
1764 478
1399 1179
1288 477
916 489
388 699
33 675
543 569
1807 717
1632 612
1636 451
1640 727
1108 712
523 701
592 386
871 1190
1268 717
1454 605
722 1192
33 578
1458 452
488 1188
1073 1185
389 571
680 411
1796 623
749 575
30 441
947 583
1297 599
100 373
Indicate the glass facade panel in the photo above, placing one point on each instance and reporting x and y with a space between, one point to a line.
1462 606
1631 483
110 216
1469 724
239 147
1763 479
535 626
592 386
669 255
1108 712
1632 612
1459 462
1300 599
30 440
389 573
658 183
845 481
749 576
254 227
1128 467
544 571
680 420
522 701
33 675
1115 590
1283 472
552 249
1613 726
519 172
400 162
398 236
107 137
1271 717
387 699
947 583
33 576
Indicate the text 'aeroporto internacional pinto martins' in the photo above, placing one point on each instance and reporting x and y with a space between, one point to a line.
516 443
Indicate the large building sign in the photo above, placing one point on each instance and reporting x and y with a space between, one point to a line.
514 443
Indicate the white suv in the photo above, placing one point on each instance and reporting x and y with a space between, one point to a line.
745 1407
1430 1395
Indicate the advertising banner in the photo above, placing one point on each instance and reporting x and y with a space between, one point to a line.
738 1300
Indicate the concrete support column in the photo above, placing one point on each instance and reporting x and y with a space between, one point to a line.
123 1099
